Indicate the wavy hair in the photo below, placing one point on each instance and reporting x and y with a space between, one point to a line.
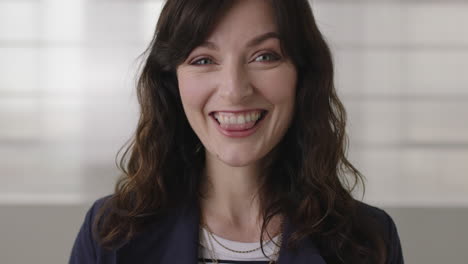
308 179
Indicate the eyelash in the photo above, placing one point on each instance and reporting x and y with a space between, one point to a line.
274 56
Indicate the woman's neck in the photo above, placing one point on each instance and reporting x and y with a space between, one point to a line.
231 205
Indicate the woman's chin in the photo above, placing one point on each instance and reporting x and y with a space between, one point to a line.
238 164
238 161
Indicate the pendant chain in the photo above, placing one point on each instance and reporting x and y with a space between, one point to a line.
232 250
214 258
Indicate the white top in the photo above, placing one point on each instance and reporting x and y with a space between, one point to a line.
210 249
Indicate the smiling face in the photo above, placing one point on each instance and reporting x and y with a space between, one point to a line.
237 88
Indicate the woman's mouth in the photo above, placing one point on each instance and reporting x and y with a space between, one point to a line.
238 124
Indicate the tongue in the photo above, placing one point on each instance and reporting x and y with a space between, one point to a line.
238 127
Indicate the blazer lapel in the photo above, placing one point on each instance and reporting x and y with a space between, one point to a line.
176 241
306 252
182 243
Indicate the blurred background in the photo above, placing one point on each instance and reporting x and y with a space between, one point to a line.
67 105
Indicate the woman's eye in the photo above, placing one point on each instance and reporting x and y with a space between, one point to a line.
267 57
202 61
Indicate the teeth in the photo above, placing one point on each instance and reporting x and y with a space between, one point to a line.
237 118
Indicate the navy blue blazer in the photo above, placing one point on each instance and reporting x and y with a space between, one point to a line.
175 240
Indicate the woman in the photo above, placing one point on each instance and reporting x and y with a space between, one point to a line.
239 154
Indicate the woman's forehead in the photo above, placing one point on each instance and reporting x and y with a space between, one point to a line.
244 21
250 42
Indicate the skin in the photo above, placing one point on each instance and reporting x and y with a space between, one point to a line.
230 72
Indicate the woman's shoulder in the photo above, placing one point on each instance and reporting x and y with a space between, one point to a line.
386 226
366 209
168 225
379 215
98 204
85 248
95 209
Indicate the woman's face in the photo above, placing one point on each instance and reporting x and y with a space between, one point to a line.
236 77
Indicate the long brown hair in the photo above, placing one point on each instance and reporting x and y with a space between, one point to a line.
309 179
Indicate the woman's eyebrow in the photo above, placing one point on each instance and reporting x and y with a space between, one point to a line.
259 39
253 42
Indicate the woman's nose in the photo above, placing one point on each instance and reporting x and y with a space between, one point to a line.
234 84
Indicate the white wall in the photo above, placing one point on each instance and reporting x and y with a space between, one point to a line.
67 100
401 72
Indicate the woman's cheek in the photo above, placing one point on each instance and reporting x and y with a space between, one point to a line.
277 85
194 88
